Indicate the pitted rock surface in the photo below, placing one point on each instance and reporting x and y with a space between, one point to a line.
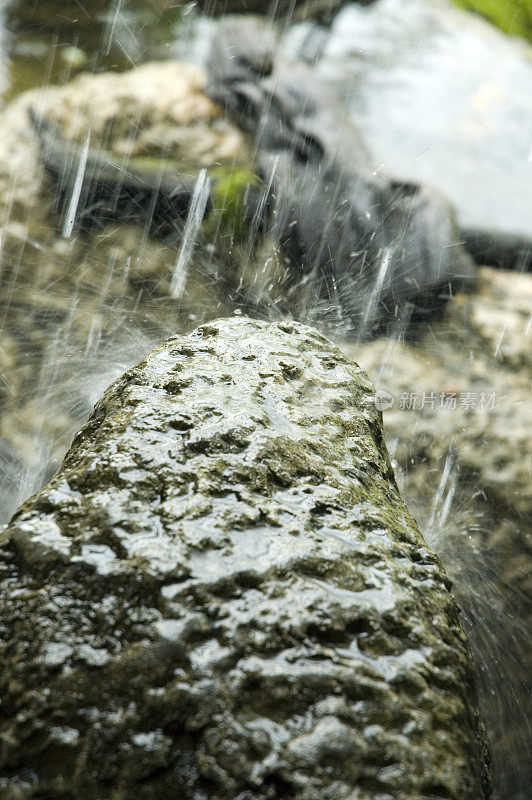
221 594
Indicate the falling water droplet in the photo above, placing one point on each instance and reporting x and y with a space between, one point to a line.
195 216
68 223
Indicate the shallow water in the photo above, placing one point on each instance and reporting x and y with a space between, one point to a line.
49 43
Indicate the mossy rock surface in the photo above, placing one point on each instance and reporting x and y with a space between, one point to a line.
221 594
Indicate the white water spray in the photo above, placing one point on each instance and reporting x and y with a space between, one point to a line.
70 216
195 216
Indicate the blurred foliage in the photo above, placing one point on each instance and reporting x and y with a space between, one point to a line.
230 188
511 16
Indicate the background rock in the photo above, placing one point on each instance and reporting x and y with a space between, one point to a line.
440 97
221 591
281 9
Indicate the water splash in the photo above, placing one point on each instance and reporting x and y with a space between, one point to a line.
375 295
196 213
70 216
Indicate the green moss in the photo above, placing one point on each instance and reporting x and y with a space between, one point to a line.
228 194
511 16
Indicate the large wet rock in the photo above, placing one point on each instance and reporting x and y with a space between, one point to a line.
440 97
222 594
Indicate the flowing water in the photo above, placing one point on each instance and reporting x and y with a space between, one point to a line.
79 334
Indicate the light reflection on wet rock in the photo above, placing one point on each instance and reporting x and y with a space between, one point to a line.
221 594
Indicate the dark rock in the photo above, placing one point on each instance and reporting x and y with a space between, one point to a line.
221 594
109 191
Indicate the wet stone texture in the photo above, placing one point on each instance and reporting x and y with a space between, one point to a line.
221 594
